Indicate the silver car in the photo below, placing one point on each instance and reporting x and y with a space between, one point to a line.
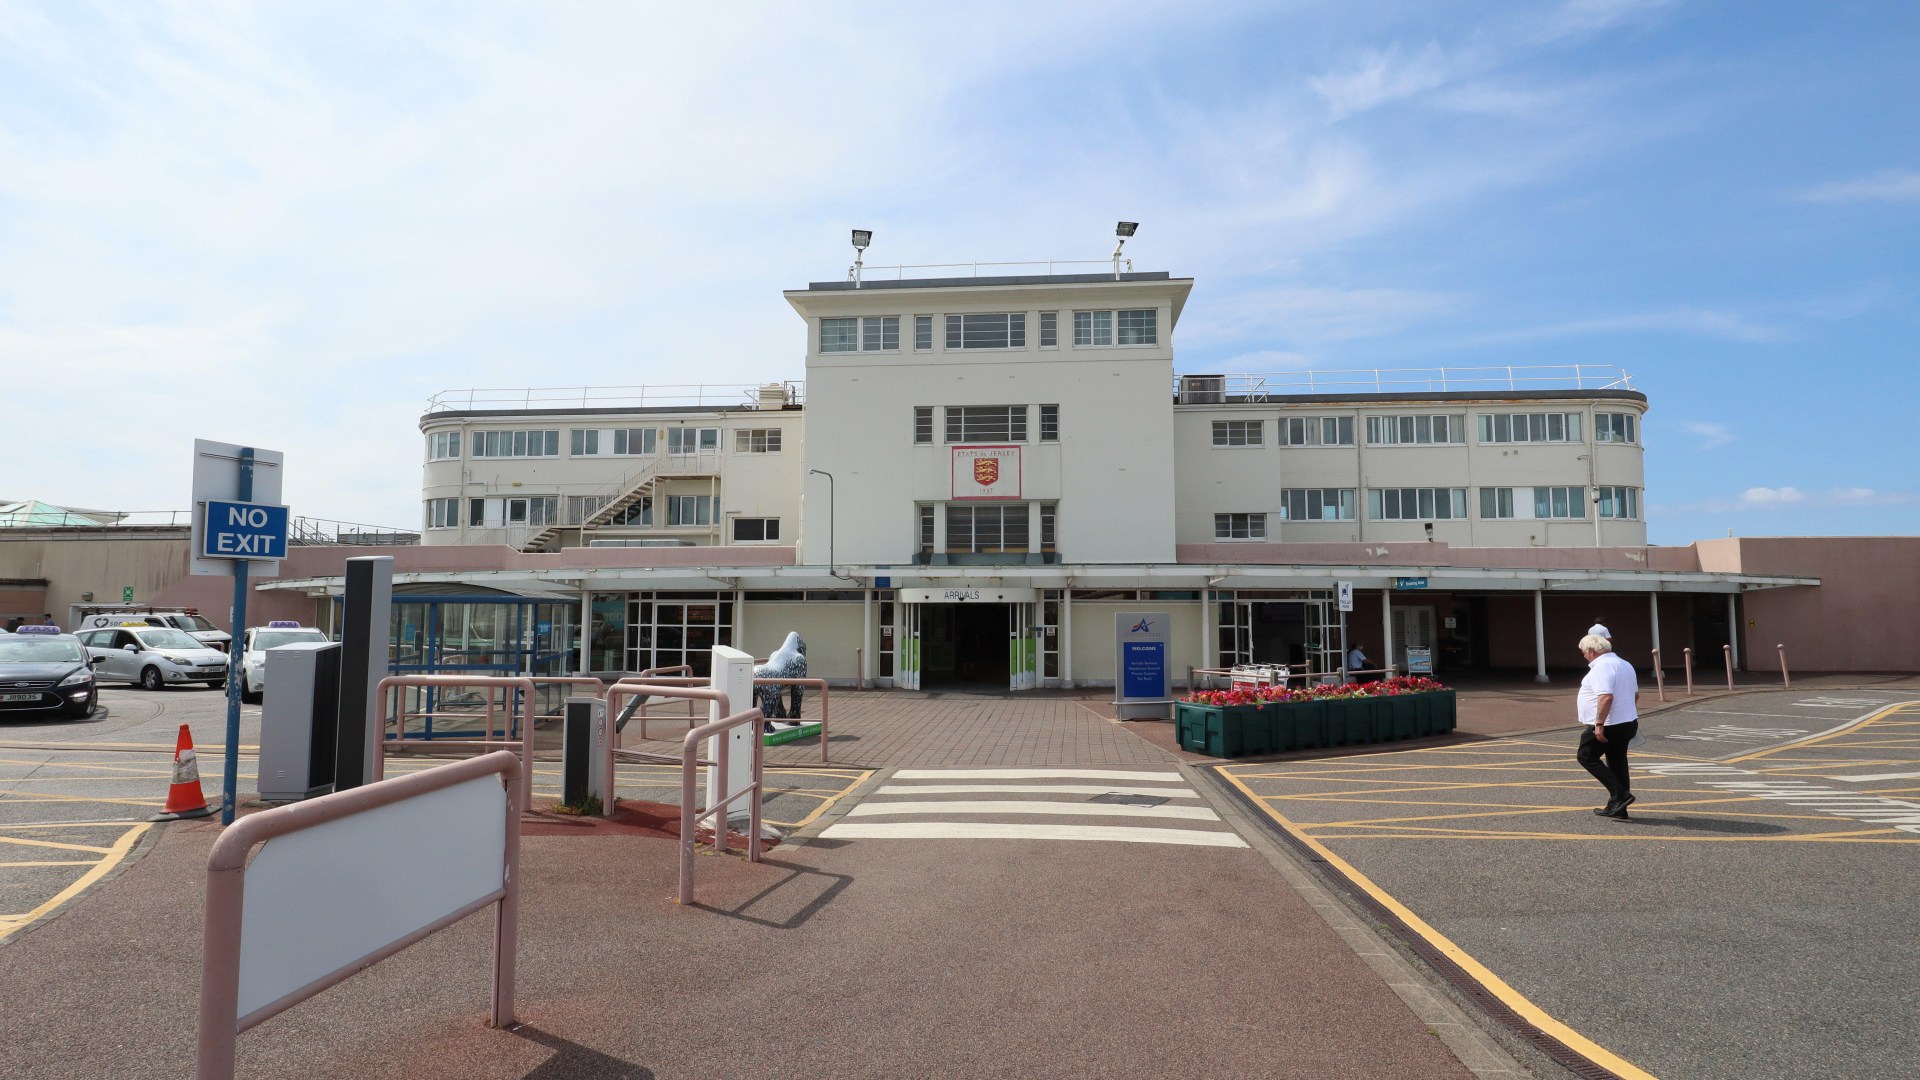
154 657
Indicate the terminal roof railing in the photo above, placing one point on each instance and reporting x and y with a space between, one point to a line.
688 395
1202 389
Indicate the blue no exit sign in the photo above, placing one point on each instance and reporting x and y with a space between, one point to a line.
237 530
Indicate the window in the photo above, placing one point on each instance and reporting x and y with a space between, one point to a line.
443 513
640 513
1093 328
1239 526
1559 502
1137 327
1049 526
986 423
1416 504
1049 329
1097 328
926 530
1316 431
1496 504
686 440
499 444
923 423
839 335
1619 503
756 441
623 442
923 333
442 445
755 530
582 507
1415 430
533 510
476 512
1238 432
690 509
1049 423
1529 427
1616 427
1316 504
880 334
1003 331
988 529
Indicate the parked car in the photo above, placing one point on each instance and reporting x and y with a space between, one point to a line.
189 621
154 657
44 670
253 655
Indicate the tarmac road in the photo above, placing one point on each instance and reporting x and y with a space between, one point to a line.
1754 919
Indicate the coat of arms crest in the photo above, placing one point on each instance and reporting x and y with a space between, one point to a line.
986 471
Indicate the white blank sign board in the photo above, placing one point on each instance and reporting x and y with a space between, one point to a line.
323 898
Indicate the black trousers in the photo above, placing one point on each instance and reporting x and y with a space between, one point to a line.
1607 761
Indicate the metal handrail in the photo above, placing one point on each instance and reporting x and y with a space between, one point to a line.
973 268
690 820
686 395
485 682
1263 386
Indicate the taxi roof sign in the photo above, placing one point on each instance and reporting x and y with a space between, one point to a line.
37 630
283 624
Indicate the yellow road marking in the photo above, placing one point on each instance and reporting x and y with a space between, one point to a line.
77 798
140 767
10 924
77 862
1820 838
66 824
1475 970
23 841
1850 729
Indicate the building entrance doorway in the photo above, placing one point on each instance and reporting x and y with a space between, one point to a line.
964 646
1300 630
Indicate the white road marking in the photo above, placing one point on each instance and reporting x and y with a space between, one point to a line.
987 830
1871 777
1034 789
1058 809
1038 774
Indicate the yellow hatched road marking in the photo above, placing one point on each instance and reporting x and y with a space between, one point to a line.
141 768
78 862
10 924
1816 740
78 798
67 824
1479 972
24 842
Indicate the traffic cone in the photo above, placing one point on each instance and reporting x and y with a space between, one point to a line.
184 798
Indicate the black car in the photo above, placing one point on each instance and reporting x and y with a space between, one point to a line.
41 672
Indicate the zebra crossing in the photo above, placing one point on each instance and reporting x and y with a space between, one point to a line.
1113 805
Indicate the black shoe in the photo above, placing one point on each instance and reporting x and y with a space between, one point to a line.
1623 802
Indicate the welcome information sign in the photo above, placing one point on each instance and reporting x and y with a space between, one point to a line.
1140 679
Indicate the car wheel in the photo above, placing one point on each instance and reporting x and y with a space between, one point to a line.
82 712
151 679
251 697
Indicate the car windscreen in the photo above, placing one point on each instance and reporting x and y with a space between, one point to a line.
195 623
271 639
167 639
21 649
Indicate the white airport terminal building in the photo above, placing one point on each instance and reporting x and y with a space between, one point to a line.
978 472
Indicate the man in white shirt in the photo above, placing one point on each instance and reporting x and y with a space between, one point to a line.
1357 661
1609 711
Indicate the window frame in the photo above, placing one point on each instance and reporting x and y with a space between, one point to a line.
1013 331
1405 429
1224 430
1345 504
521 439
443 513
1253 522
1049 423
757 440
769 530
438 444
962 420
1425 500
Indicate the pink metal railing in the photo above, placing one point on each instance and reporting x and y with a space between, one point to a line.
690 820
817 684
219 1022
487 683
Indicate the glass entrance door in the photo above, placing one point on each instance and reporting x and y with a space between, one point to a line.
1023 649
906 636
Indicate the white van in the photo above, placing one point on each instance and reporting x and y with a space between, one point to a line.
190 621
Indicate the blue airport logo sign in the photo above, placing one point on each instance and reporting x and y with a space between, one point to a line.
238 530
1409 583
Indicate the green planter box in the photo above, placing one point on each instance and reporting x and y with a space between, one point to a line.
1444 718
1304 724
1216 730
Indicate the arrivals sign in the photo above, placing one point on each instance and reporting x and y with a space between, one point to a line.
986 472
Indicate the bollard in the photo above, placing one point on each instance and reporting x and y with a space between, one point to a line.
860 669
1727 650
1686 654
1784 680
1659 677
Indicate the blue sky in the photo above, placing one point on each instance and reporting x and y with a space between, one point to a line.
289 225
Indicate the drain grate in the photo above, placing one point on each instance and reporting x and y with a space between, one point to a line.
1129 800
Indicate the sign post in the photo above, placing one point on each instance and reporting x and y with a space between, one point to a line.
1343 593
1140 682
232 529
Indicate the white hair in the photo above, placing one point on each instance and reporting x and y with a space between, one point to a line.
1595 643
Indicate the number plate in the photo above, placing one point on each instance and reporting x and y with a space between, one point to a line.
19 697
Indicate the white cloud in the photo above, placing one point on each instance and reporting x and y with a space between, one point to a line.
1382 76
1891 186
1789 498
1710 435
1694 322
1767 497
1310 315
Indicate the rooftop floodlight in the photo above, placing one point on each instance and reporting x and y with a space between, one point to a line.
1122 230
861 238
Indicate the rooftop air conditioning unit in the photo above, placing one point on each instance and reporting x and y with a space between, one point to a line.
1203 389
772 397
